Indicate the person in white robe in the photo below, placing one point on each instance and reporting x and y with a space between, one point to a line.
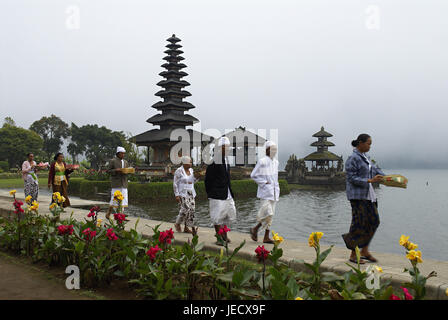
265 174
219 190
183 185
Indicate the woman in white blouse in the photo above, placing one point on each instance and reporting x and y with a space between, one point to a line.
29 176
183 185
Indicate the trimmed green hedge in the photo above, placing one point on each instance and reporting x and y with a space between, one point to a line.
148 192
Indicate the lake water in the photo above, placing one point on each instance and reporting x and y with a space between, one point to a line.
420 211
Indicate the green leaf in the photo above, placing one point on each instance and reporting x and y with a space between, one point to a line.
358 296
331 276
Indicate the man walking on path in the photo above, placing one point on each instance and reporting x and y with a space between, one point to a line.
219 191
118 179
265 174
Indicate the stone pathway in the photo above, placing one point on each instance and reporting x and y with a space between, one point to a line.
392 264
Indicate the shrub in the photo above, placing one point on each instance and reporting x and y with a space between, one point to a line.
4 165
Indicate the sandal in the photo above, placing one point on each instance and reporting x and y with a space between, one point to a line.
253 235
369 258
361 261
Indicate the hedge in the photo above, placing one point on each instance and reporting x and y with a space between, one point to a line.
148 192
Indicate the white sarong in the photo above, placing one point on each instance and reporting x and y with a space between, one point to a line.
124 192
265 213
222 212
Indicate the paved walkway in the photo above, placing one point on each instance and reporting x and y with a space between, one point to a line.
392 264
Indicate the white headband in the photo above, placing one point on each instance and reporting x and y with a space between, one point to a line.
270 144
121 149
185 159
223 141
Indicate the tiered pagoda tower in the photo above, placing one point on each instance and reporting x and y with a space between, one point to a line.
321 159
172 107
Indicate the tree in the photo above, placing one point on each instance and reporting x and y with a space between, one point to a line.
78 144
99 144
52 130
9 122
133 154
16 142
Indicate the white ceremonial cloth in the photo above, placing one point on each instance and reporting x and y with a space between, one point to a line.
222 212
266 170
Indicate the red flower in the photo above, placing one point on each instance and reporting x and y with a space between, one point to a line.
407 295
63 229
18 206
119 217
223 230
262 253
394 297
166 236
151 253
111 234
89 234
93 211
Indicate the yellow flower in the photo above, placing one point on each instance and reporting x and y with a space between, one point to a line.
411 246
34 206
313 240
118 196
53 205
414 256
379 269
28 199
403 240
62 199
98 222
277 239
57 196
12 192
298 298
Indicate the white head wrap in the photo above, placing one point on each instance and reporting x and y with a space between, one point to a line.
185 159
270 144
121 149
223 141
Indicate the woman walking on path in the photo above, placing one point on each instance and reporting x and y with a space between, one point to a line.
31 184
58 178
360 174
183 185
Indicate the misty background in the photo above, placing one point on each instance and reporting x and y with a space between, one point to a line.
377 67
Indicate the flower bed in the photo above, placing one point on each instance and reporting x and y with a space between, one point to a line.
158 270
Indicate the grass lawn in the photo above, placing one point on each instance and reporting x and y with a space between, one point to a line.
11 183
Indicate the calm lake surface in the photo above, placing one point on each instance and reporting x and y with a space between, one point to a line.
420 211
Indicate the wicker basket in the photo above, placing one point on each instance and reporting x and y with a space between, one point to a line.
395 180
128 170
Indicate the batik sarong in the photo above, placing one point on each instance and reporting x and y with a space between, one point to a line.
365 221
186 210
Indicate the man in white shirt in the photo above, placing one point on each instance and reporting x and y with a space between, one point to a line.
265 174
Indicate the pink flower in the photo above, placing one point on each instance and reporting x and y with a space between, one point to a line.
120 217
394 297
223 231
407 295
151 253
262 253
166 236
18 206
111 234
89 234
63 229
93 211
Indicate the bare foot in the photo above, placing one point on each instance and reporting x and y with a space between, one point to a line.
178 229
253 234
186 230
268 241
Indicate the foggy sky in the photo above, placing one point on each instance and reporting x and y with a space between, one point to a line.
287 65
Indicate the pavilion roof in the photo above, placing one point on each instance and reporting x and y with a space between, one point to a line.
322 133
322 155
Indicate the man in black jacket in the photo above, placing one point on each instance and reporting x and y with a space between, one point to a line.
218 188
